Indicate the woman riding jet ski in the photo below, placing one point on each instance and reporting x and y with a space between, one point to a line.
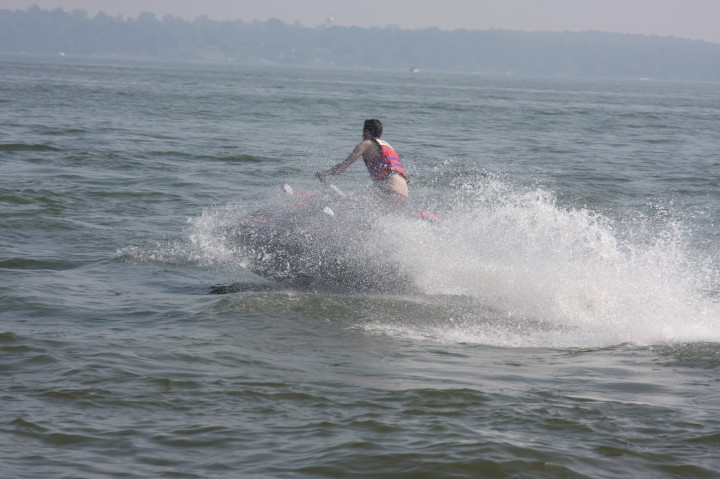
327 240
383 164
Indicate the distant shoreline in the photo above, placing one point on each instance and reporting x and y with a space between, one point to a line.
544 54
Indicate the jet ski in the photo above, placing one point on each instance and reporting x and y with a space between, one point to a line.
318 240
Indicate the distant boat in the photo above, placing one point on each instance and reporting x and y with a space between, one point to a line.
414 69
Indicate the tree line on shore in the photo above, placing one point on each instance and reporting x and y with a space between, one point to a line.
575 54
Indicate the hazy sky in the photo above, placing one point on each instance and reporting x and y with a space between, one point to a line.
694 19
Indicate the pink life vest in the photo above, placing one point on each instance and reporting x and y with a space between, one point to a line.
386 162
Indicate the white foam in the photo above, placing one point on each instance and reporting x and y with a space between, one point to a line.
201 244
513 268
555 276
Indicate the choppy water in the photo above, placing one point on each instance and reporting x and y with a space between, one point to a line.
567 321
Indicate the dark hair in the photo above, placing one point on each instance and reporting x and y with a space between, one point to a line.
374 127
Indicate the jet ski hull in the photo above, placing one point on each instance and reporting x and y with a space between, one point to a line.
303 243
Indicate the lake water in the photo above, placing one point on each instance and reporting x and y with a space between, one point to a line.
567 315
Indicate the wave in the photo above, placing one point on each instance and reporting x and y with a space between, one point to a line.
13 147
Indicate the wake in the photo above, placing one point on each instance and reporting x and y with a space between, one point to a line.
543 275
